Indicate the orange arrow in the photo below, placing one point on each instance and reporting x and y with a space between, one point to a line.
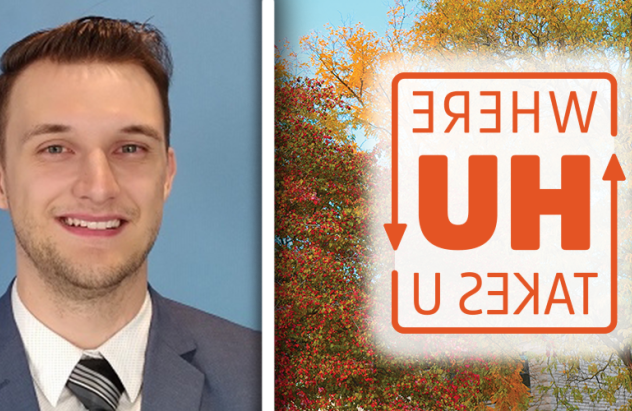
613 174
394 230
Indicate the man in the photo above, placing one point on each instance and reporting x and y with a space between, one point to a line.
85 169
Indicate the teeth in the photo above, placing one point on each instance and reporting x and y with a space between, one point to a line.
112 224
92 225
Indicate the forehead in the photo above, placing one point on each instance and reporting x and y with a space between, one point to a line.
83 96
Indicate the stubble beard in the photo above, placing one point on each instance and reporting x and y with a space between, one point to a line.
80 282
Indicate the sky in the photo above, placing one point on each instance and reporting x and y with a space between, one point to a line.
297 18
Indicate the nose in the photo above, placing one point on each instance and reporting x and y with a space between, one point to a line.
96 181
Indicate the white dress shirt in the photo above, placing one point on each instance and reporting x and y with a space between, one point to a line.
51 358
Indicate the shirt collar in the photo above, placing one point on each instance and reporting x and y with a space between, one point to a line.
52 358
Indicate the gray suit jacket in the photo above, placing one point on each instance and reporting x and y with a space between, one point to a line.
194 361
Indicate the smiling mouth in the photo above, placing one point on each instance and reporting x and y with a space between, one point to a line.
92 225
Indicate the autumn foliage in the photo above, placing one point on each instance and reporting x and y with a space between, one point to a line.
326 259
347 61
321 252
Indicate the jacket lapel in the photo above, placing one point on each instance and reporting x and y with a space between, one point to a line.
16 384
170 381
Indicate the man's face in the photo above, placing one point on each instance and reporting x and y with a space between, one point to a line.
86 172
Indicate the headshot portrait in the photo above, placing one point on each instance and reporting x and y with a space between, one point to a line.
130 197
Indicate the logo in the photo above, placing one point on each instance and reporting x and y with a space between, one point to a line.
504 203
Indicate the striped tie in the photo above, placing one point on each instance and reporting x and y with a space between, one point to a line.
95 383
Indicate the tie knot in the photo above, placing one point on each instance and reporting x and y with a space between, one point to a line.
95 383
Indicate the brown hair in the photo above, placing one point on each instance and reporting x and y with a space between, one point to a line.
90 39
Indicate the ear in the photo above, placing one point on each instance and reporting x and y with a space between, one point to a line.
171 171
4 201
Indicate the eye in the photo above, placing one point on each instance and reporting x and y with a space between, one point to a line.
55 149
130 148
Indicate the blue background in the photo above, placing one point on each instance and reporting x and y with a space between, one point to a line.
208 253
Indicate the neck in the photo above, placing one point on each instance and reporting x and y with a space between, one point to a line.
86 320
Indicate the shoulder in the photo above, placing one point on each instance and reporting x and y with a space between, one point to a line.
228 354
210 331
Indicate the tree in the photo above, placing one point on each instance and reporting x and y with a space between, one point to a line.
325 262
504 35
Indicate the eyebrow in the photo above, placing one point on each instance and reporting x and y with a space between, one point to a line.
45 129
41 129
143 130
